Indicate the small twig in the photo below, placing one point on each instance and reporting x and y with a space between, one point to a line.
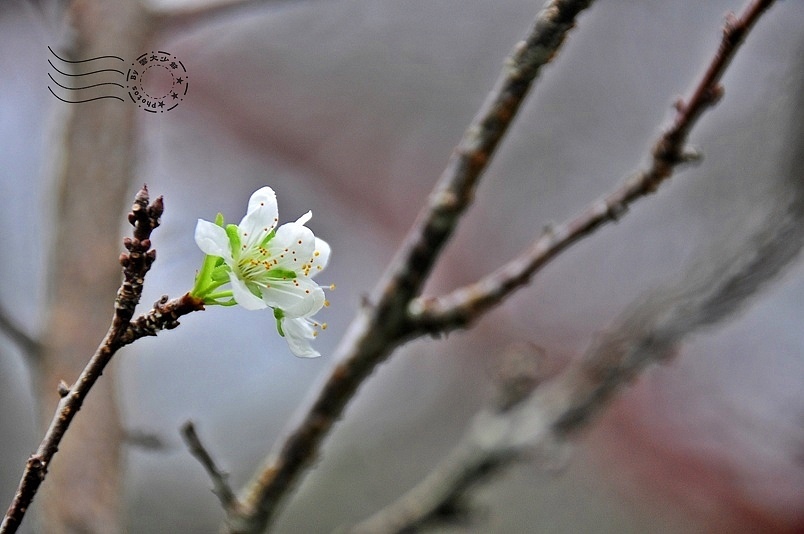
462 306
144 217
375 333
219 483
29 345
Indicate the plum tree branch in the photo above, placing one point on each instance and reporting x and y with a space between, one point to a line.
460 307
144 217
376 332
443 496
647 332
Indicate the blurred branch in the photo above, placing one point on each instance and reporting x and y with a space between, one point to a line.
93 156
29 345
144 217
462 306
201 12
443 495
648 332
378 330
221 486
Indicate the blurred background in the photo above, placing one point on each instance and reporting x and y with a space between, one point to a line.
350 108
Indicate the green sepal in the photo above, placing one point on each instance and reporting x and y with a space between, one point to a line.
220 273
215 298
203 280
233 233
279 315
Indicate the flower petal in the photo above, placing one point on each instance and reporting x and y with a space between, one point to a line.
320 257
304 219
297 298
243 296
311 304
298 332
292 246
212 240
261 217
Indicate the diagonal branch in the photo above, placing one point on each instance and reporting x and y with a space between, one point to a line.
647 332
376 332
144 217
444 495
466 304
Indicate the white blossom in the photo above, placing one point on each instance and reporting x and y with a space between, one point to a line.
266 267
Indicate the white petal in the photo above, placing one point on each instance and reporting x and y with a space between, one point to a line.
292 246
320 257
212 240
243 296
304 219
296 298
298 332
261 217
311 304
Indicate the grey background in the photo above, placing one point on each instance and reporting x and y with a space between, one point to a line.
351 108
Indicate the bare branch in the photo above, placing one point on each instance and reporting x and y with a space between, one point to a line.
648 332
376 332
219 483
443 495
466 304
29 345
144 217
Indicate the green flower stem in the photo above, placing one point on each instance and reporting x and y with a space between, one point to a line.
203 282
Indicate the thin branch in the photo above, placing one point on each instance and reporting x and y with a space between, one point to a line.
219 483
440 497
648 332
443 496
29 345
462 306
144 217
377 331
